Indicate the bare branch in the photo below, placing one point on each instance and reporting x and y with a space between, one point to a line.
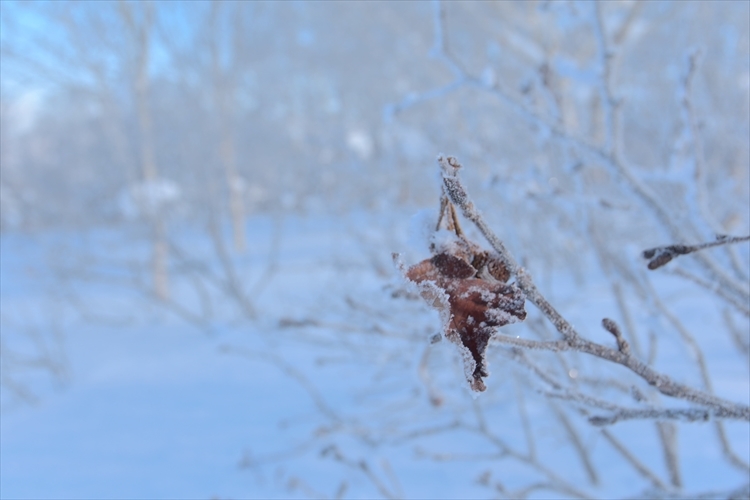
668 436
682 414
637 464
658 256
714 288
578 445
609 155
571 339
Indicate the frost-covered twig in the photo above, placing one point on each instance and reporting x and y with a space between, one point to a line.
617 412
658 256
605 148
571 339
612 157
457 193
683 414
699 358
609 154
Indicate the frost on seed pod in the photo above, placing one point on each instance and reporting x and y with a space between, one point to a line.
468 286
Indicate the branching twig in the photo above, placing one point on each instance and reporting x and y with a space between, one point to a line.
577 443
633 460
609 155
571 339
714 288
361 465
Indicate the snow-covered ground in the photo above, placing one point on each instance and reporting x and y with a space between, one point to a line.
332 390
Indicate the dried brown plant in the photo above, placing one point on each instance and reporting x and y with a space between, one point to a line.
469 286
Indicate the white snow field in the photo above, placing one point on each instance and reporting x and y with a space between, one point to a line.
332 390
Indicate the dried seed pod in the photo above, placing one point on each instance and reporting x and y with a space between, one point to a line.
450 266
476 305
494 266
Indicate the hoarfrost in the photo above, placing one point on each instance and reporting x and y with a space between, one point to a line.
421 229
446 241
470 308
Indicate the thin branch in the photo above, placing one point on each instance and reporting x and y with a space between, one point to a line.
697 355
658 256
727 450
605 92
633 460
315 395
556 483
739 337
609 157
361 465
681 414
610 154
668 436
714 288
232 280
571 339
577 443
525 423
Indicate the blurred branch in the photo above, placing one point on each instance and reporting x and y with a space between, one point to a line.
334 452
742 308
633 460
577 443
290 371
553 481
739 338
231 280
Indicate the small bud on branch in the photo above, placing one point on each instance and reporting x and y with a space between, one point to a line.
614 329
659 256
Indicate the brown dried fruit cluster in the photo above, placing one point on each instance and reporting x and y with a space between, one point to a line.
479 298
